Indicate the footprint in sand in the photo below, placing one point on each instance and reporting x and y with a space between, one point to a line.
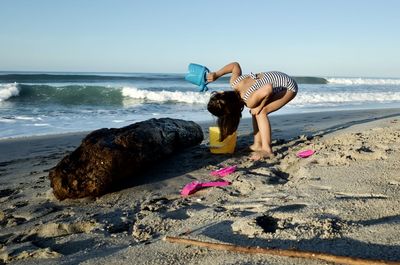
26 251
7 192
62 229
9 220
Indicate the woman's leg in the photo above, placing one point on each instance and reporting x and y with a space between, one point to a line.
277 101
264 134
257 145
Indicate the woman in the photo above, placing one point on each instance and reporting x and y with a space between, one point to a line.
263 93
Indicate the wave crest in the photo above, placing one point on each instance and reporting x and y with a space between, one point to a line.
94 95
64 95
364 81
166 96
8 90
345 97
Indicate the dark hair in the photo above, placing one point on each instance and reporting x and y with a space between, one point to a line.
227 106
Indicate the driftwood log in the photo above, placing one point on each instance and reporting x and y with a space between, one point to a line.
106 157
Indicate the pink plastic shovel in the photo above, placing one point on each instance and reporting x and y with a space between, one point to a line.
305 153
223 171
194 186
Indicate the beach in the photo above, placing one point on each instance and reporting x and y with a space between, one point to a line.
343 200
109 136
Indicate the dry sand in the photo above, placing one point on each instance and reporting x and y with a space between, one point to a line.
343 200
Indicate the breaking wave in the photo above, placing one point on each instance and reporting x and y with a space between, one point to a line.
364 81
94 95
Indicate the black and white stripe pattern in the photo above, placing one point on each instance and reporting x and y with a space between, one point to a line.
278 80
240 78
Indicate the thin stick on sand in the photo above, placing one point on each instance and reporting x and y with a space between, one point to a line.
281 252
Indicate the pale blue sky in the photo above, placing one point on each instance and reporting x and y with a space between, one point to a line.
303 37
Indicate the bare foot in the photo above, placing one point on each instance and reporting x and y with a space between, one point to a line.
255 147
261 154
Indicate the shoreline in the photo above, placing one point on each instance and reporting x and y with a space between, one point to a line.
284 126
342 201
354 113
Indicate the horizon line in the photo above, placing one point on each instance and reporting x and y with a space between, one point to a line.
107 72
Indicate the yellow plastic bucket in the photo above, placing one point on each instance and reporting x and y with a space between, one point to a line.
227 146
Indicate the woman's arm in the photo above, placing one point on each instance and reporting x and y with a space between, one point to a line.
233 68
257 110
261 96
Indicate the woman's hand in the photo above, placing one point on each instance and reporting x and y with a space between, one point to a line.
255 111
211 77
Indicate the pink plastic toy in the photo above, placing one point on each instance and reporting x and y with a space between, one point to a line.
305 153
223 171
194 186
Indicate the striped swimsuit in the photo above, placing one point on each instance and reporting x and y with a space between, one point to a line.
278 80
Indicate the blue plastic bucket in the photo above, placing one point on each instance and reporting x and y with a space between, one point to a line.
197 75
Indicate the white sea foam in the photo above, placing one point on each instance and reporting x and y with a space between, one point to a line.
8 90
364 81
164 96
345 97
41 124
25 118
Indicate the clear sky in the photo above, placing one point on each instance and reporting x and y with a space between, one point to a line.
300 37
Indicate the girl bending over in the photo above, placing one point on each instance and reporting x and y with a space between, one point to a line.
262 93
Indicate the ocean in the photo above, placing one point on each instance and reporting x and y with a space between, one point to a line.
53 103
